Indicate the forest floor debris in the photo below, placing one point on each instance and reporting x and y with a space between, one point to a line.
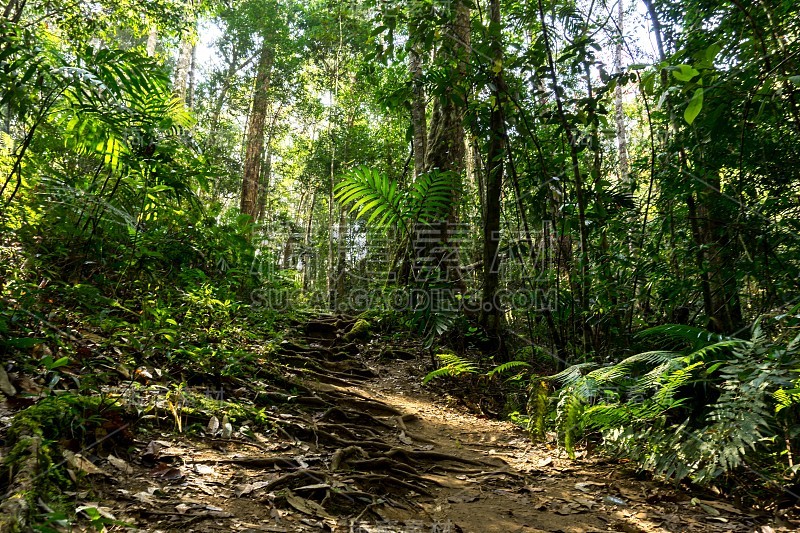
358 445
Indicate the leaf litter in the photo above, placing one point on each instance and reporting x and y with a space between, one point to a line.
359 445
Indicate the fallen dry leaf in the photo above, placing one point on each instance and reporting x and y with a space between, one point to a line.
305 506
164 471
405 439
81 464
586 486
120 464
463 497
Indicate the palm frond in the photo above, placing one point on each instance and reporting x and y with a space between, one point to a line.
371 193
431 196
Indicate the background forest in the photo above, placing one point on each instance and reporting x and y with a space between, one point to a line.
600 199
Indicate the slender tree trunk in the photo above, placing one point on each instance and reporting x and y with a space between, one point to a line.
490 310
580 191
721 250
223 91
266 174
307 242
192 74
446 148
255 132
418 117
619 113
716 251
14 9
152 41
183 67
330 274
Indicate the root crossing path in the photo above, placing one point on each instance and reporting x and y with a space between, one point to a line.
355 444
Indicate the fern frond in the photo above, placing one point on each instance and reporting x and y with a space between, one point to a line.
713 349
571 374
439 372
432 196
454 366
371 193
537 407
569 420
499 369
696 337
785 398
656 357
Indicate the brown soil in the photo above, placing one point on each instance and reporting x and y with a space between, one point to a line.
354 453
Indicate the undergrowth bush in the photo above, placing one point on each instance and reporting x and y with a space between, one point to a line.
717 408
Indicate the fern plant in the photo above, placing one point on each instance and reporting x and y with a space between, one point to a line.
703 412
371 193
454 365
384 203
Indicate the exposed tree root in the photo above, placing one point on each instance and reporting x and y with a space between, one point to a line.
307 474
285 463
15 504
351 416
382 480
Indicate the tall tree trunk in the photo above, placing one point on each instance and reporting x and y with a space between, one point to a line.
446 149
266 173
152 41
255 132
619 113
490 309
192 74
183 67
304 257
334 71
418 118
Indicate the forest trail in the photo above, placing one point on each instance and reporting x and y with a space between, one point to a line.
360 446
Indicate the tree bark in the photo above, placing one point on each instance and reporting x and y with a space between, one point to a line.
418 117
255 129
183 68
192 74
446 149
619 113
490 310
152 41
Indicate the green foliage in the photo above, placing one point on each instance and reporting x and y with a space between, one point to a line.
721 405
537 407
453 365
372 193
505 367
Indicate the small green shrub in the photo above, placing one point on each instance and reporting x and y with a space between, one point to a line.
716 408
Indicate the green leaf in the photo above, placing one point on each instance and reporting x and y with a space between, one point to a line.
684 73
22 342
694 107
712 51
58 363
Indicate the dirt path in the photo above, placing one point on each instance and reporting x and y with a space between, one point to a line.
541 491
359 446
